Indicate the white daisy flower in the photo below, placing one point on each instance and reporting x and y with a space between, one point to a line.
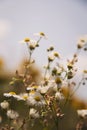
12 114
51 57
34 113
25 40
33 88
82 42
41 34
36 99
4 104
10 94
29 41
43 89
28 89
22 96
82 113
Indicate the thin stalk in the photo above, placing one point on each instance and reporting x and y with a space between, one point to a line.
39 39
30 53
46 70
77 87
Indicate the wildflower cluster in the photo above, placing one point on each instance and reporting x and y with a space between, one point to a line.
43 95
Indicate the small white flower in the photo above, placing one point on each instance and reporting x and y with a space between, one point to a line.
22 96
51 57
41 34
29 89
82 113
82 42
10 94
34 113
52 86
12 114
4 104
29 41
36 99
59 96
56 54
25 40
43 89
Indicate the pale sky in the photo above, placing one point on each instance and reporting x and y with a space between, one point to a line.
63 21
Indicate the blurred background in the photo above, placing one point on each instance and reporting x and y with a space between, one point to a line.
63 21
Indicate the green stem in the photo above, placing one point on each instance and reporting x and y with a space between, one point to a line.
39 40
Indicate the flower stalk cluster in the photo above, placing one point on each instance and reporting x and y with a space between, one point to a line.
42 94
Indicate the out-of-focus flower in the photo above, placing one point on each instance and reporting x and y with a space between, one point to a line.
29 89
59 96
41 34
10 94
34 113
82 113
58 80
69 65
4 104
12 114
56 54
52 87
82 42
51 57
85 71
36 99
25 40
51 48
43 89
32 43
33 88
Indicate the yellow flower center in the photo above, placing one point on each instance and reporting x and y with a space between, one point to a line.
26 40
35 87
32 92
37 98
42 34
12 93
56 54
25 97
85 71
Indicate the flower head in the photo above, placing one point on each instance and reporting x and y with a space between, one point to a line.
12 114
41 34
82 113
36 99
56 54
85 71
59 96
34 113
27 40
43 89
4 104
21 96
51 57
52 86
82 42
10 94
